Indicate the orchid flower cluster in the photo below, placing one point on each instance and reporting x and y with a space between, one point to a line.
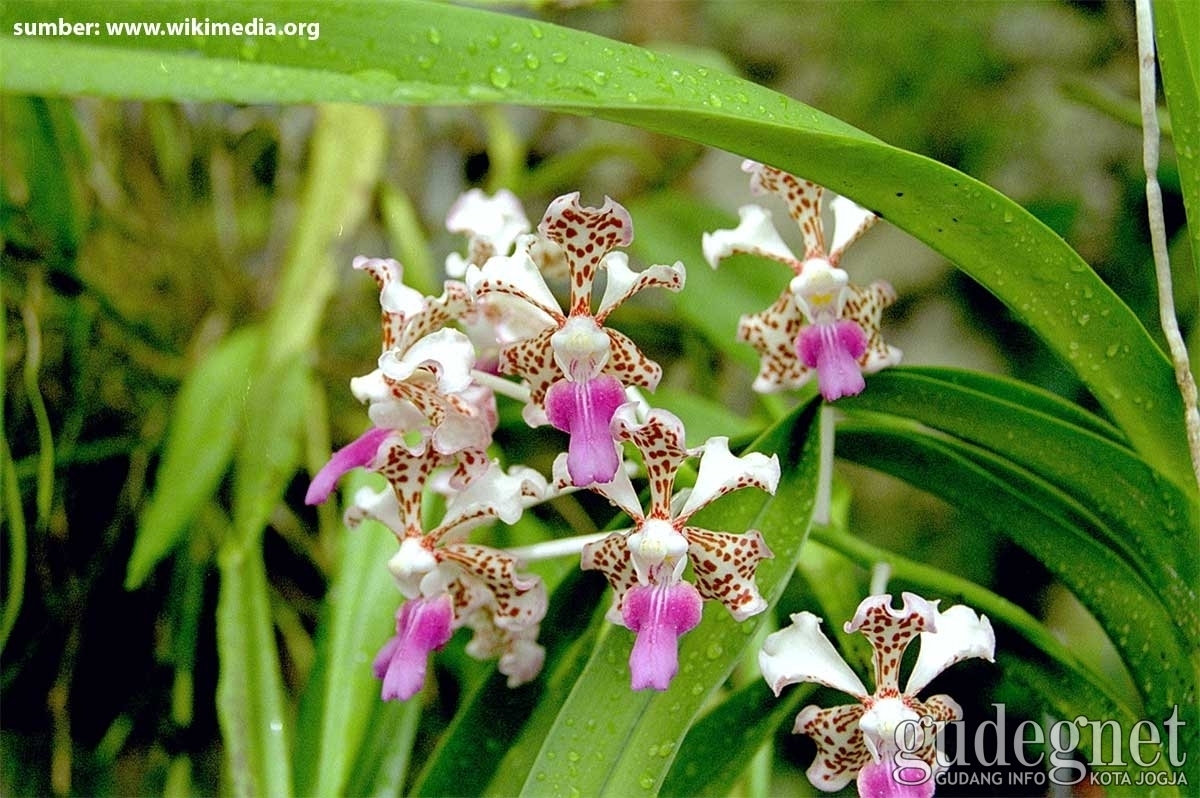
498 328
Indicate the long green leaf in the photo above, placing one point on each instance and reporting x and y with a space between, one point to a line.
338 701
628 748
1177 34
496 735
1146 518
1052 528
200 443
250 700
416 52
728 735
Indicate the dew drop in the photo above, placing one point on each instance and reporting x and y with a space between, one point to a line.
434 36
500 77
600 77
532 61
646 781
573 756
558 57
1112 350
714 100
535 32
1008 217
714 651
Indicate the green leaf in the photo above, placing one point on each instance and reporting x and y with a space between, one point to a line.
1144 517
269 452
1177 25
998 609
342 692
43 150
497 733
415 52
724 740
1055 530
200 441
346 155
628 749
250 699
1069 697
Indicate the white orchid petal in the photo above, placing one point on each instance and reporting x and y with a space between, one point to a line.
850 220
621 282
721 472
754 234
802 653
498 219
619 490
494 494
373 505
959 634
513 275
450 351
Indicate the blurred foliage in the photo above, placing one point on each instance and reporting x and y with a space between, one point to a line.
136 236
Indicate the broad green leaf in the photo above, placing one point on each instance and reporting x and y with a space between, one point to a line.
1068 698
496 734
628 749
346 154
1053 528
1177 34
338 702
935 582
269 450
251 706
1145 517
722 743
415 52
382 766
200 441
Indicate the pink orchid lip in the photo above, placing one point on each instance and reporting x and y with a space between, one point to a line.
660 614
584 410
884 779
422 625
357 454
833 350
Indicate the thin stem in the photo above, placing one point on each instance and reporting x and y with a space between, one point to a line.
881 574
513 390
562 547
1158 232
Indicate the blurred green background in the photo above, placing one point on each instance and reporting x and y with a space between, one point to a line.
136 235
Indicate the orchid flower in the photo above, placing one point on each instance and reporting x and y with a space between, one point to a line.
423 379
821 321
448 582
861 739
492 224
645 564
577 368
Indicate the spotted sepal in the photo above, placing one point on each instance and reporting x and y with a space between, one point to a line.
724 565
586 235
